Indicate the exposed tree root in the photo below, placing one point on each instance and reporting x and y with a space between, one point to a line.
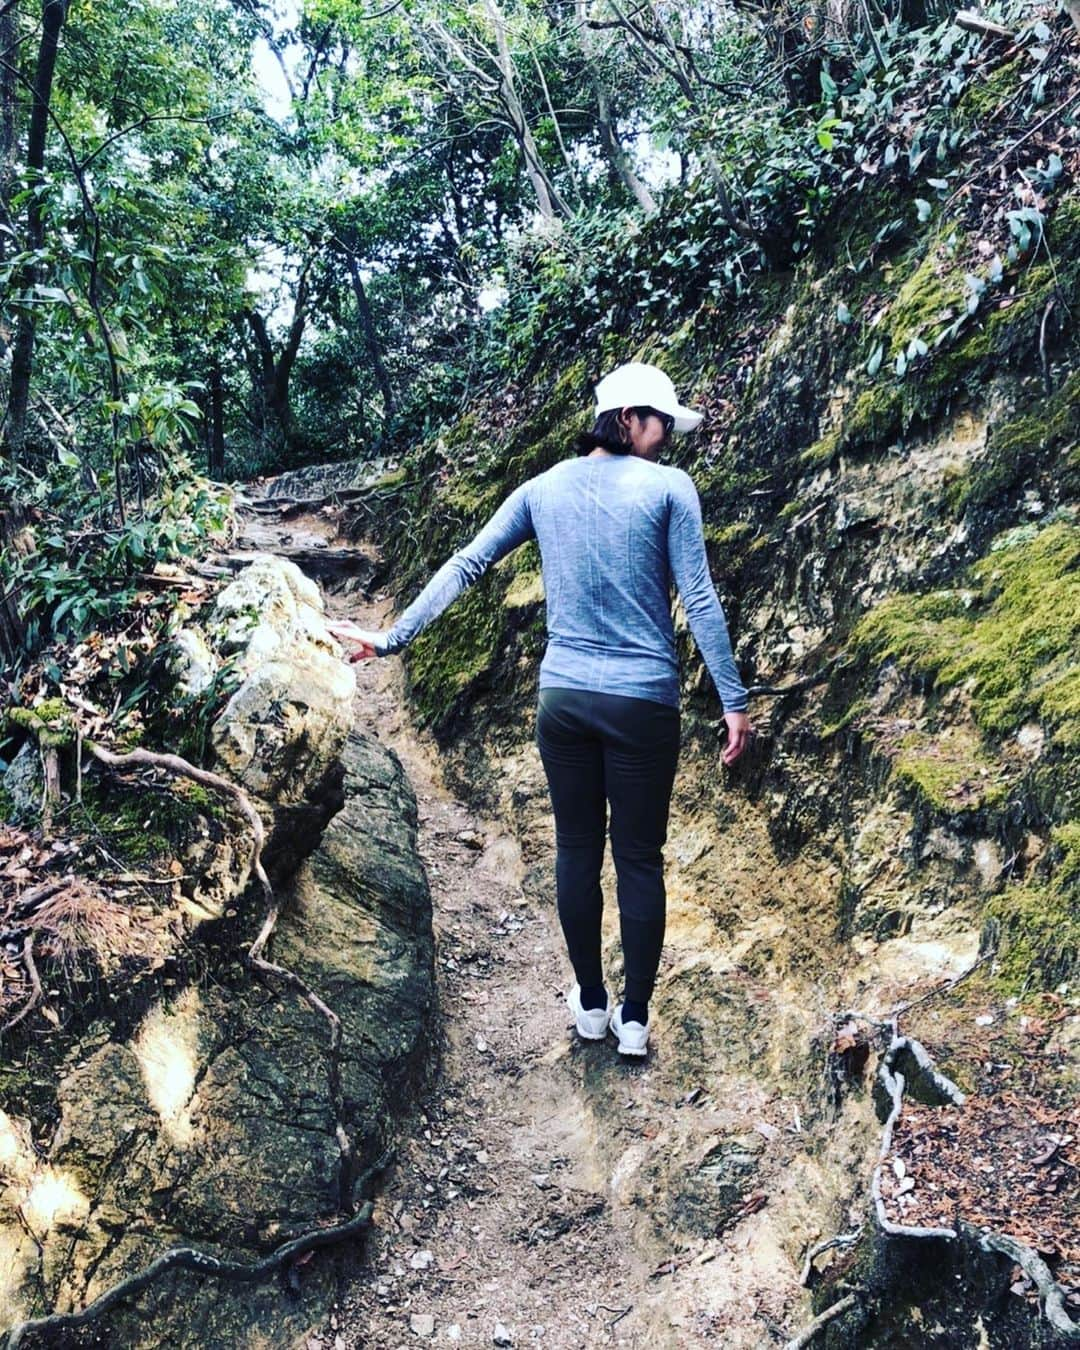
190 1258
36 994
827 1244
820 1322
892 1080
1052 1296
267 969
180 767
1036 1269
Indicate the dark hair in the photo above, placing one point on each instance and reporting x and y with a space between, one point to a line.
607 432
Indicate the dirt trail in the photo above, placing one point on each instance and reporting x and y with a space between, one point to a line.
529 1205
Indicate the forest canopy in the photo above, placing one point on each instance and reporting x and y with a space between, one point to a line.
241 237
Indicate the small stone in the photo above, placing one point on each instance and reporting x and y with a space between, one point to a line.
422 1324
453 1332
541 1181
500 1336
421 1260
481 1156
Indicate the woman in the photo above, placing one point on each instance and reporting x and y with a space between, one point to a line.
614 528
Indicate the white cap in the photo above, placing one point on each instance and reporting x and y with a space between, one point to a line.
637 385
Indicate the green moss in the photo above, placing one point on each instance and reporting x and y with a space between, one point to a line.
985 97
930 297
949 772
728 536
1039 924
823 451
527 588
1017 448
873 420
456 652
1010 638
139 826
50 722
395 478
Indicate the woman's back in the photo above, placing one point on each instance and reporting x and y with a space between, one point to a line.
602 524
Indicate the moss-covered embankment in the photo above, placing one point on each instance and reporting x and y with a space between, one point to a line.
918 518
889 474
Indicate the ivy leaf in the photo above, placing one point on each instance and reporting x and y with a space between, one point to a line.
843 314
923 208
876 358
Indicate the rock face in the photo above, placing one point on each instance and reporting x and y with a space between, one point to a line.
280 733
319 480
210 1117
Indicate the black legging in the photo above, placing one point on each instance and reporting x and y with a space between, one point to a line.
600 748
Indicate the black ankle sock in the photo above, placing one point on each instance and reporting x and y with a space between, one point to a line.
593 998
635 1012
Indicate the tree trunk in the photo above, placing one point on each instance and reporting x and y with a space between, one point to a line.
271 375
216 457
371 338
605 121
8 107
551 204
53 14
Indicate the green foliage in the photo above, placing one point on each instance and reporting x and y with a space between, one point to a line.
84 568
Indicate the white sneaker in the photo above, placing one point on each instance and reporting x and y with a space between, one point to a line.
632 1036
592 1023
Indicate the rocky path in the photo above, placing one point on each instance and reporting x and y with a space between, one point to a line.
534 1201
495 1226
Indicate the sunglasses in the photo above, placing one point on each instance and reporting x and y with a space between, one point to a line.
666 420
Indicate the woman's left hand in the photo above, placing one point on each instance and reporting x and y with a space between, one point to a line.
362 642
738 736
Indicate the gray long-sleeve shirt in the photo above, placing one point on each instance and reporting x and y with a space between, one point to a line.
613 533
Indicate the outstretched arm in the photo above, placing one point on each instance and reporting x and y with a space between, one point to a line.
510 526
690 568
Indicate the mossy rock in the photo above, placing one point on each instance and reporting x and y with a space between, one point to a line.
1038 924
949 771
1010 636
1018 448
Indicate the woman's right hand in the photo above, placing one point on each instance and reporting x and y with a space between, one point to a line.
361 643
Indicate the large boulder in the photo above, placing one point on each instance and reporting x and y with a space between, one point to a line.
281 733
214 1123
